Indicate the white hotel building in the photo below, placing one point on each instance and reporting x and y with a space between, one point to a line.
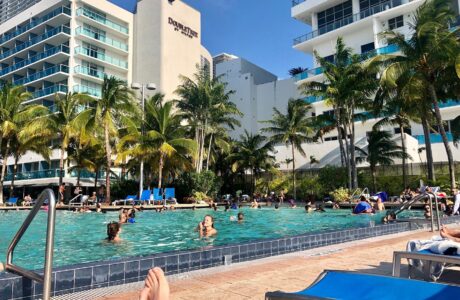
58 46
359 23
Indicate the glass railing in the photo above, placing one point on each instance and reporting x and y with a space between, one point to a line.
101 19
383 50
34 23
58 88
35 58
101 56
435 138
36 40
348 20
297 2
33 175
89 72
313 99
449 103
96 92
87 174
42 74
95 35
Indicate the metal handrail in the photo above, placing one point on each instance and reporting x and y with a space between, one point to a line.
431 196
71 202
45 279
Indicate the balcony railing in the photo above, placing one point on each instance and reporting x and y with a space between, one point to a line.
383 50
33 175
435 138
87 174
449 103
58 88
36 22
90 72
297 2
96 92
313 99
35 58
95 35
42 74
348 20
36 40
101 56
101 19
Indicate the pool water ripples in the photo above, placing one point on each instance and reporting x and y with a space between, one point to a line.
81 237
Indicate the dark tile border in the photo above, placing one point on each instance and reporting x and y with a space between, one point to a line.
87 276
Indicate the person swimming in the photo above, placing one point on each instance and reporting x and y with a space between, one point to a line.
240 217
206 227
113 232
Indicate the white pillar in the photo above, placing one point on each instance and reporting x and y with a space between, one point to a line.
377 29
355 6
314 21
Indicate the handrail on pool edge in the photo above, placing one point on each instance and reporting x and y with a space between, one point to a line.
45 279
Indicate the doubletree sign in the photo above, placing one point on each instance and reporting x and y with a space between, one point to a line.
185 30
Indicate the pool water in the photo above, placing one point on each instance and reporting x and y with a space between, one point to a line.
80 237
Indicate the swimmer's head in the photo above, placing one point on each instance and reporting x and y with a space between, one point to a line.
208 221
113 228
240 216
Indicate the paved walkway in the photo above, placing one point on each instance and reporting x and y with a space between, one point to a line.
290 272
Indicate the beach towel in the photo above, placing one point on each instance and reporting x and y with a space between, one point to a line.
436 245
361 207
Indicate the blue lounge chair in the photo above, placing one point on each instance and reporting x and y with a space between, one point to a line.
145 196
170 195
12 201
129 198
157 196
348 285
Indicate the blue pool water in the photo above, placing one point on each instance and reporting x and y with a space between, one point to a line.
80 237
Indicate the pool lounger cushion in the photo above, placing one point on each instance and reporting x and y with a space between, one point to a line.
349 285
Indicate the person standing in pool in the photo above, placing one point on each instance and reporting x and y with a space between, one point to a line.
113 232
206 227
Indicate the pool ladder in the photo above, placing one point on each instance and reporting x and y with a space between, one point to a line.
45 279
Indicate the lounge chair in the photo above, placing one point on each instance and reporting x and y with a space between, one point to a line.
170 195
12 201
350 285
145 196
157 196
129 198
428 257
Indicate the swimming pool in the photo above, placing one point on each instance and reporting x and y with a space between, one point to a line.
80 237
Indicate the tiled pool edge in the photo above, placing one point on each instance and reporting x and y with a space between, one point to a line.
87 276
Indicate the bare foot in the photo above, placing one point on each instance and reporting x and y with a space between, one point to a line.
156 286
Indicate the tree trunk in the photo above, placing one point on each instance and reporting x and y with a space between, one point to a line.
374 179
203 136
403 145
108 154
2 175
450 158
429 153
209 153
160 169
197 140
15 169
95 179
347 156
354 172
293 171
339 137
61 164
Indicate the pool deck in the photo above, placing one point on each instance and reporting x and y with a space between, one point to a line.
290 272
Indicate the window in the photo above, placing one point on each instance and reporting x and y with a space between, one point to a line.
334 14
396 22
397 130
328 112
329 58
367 47
366 4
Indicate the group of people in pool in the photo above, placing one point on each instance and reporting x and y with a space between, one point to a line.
364 206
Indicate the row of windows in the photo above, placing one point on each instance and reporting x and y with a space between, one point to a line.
335 13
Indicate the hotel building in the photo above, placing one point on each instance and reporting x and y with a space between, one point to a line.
59 46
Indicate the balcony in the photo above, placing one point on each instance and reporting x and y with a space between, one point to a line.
33 175
91 14
99 56
379 51
35 40
48 53
97 36
348 20
89 72
95 92
313 99
35 23
435 138
449 103
42 74
297 2
58 88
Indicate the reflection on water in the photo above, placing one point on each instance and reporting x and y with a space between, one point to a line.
80 237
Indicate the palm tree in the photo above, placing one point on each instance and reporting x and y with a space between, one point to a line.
202 98
252 153
114 109
294 71
428 58
291 129
381 150
69 120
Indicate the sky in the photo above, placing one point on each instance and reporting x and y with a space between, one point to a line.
260 31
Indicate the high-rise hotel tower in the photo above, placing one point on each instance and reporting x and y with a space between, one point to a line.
59 46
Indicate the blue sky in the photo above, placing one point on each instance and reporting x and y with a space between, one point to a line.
260 31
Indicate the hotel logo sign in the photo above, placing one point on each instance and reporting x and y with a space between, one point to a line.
185 30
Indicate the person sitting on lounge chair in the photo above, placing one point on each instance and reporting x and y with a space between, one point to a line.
27 200
450 234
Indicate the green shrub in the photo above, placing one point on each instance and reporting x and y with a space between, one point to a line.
122 188
340 195
190 183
